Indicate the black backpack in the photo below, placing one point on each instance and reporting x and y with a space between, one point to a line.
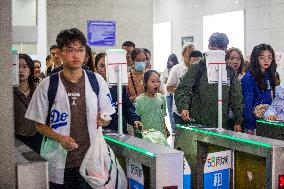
53 86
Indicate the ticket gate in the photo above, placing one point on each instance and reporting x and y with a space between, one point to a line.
32 170
270 129
162 166
256 162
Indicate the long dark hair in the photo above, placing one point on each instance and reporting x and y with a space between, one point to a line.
172 58
147 76
98 57
255 68
90 62
227 56
30 64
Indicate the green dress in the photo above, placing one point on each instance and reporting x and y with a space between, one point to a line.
152 111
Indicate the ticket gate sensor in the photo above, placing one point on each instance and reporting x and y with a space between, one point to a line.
165 165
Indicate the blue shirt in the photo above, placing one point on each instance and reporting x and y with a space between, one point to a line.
253 96
128 110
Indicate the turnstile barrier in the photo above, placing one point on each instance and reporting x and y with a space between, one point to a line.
256 161
162 166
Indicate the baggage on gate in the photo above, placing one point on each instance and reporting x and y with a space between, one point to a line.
100 168
153 136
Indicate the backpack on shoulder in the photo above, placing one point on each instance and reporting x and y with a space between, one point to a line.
53 86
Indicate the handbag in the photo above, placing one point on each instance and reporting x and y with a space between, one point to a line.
100 168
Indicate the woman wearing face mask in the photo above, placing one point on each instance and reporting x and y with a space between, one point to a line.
135 77
25 129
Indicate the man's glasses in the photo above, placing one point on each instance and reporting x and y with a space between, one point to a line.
265 58
73 51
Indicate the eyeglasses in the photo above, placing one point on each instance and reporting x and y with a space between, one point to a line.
265 58
73 51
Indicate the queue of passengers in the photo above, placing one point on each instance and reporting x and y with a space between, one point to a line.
69 112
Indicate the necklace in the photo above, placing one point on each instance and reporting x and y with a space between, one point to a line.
26 92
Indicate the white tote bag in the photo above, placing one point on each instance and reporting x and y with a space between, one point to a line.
100 168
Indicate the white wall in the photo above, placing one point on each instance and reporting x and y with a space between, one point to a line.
264 20
24 12
42 50
134 19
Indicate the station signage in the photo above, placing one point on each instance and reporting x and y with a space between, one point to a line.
135 174
217 170
101 33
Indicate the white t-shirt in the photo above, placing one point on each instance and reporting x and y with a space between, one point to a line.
164 78
176 73
60 115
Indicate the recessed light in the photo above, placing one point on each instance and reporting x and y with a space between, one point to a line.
236 2
196 6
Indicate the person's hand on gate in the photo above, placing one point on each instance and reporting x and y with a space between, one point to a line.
137 125
272 118
237 128
185 115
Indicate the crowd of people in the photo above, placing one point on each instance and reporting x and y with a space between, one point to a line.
57 112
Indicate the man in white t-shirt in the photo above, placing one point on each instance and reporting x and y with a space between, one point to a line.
73 117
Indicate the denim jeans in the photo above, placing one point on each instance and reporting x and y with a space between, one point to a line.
169 99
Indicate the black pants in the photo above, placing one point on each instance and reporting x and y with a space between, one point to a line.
72 179
34 142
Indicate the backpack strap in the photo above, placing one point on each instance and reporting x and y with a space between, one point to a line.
52 90
53 86
93 81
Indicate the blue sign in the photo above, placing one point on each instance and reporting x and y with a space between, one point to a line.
133 184
186 181
217 170
135 174
186 174
217 180
101 33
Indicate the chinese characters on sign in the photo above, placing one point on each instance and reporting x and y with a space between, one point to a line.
135 175
217 170
101 33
